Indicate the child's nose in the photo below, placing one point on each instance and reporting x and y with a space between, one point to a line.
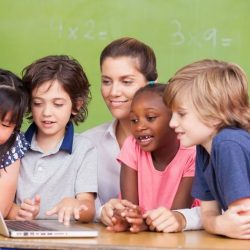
140 126
46 110
173 122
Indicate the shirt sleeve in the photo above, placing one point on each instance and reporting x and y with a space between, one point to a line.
190 163
232 171
217 177
98 210
200 188
86 180
193 218
128 153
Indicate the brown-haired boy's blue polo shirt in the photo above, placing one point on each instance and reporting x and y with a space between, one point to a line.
65 171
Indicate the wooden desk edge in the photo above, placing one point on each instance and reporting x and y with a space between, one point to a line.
128 241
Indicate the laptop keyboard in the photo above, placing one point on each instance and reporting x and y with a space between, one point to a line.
26 226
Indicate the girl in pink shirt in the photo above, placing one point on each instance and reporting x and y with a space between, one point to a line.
156 171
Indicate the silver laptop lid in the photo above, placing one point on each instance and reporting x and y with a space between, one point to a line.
3 228
44 228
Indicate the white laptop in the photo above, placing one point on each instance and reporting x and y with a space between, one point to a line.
44 229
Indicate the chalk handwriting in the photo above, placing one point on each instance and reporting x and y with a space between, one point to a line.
210 36
86 30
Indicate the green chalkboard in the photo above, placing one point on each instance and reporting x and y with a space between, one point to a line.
180 31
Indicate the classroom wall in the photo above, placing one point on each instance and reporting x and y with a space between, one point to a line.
180 31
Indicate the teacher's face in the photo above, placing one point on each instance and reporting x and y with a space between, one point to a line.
121 78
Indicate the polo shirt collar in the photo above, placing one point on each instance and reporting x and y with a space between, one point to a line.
67 143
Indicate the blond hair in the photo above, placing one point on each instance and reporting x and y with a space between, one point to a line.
218 91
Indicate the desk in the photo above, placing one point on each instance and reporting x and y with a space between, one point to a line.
127 241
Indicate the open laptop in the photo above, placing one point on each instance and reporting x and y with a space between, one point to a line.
44 229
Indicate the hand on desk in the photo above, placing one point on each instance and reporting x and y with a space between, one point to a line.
234 223
119 223
122 215
116 214
109 208
66 208
164 220
129 218
134 217
29 209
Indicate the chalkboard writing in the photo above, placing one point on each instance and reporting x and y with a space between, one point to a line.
210 36
86 32
180 32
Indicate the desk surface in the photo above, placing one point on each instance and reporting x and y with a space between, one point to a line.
145 240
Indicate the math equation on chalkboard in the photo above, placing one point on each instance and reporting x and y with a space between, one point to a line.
209 36
86 30
90 30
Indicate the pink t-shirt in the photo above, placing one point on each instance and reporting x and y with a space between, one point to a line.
157 188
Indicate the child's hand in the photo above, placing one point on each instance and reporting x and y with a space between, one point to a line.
135 219
119 223
235 222
108 211
29 209
109 208
164 220
66 208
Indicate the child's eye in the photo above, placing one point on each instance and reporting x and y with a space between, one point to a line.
36 103
133 120
6 125
151 118
58 104
181 114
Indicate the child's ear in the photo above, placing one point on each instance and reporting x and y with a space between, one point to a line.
214 123
79 104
